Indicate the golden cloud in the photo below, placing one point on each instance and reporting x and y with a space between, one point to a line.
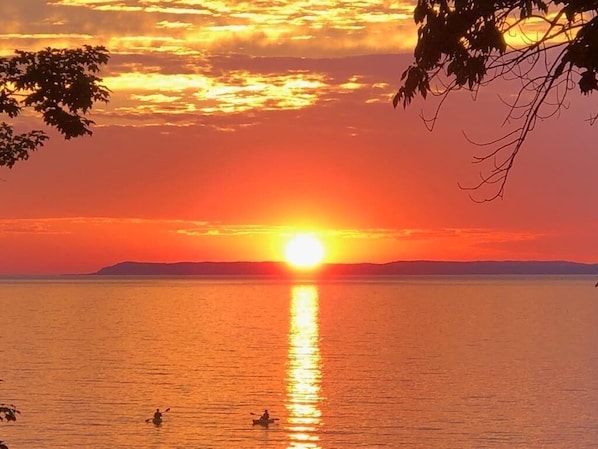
278 27
237 91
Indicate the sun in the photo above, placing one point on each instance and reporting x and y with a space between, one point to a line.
304 251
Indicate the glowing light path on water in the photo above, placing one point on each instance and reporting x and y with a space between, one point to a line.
304 369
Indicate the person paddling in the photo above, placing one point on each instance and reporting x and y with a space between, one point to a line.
265 416
157 417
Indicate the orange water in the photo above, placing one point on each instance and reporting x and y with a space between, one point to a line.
444 363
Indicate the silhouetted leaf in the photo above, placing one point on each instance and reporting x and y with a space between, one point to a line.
587 82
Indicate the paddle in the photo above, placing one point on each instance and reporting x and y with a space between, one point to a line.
149 419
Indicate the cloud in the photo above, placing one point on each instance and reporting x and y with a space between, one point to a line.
195 228
30 226
147 90
174 61
298 28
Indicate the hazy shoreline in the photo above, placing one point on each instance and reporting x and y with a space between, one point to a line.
420 267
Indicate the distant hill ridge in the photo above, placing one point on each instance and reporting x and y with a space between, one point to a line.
416 267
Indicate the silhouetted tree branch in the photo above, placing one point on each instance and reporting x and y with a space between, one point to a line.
59 84
467 44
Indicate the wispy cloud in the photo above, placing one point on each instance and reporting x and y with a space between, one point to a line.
149 93
174 60
195 228
290 27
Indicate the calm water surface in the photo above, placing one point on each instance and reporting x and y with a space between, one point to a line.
428 362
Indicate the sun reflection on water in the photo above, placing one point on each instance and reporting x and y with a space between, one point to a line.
304 369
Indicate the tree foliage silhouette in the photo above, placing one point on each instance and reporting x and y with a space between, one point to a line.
8 413
60 84
548 47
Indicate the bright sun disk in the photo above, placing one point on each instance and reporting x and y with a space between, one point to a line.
304 251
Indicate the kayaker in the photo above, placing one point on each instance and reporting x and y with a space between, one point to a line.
157 415
265 416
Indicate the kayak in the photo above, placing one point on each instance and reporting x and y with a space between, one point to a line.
263 422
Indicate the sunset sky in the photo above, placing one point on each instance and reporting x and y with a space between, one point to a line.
234 125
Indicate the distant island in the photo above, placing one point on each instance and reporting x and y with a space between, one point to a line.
416 267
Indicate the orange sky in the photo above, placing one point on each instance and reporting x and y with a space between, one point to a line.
233 125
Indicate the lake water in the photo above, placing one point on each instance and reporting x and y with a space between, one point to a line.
412 362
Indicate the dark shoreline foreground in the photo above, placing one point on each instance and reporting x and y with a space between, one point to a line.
418 267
